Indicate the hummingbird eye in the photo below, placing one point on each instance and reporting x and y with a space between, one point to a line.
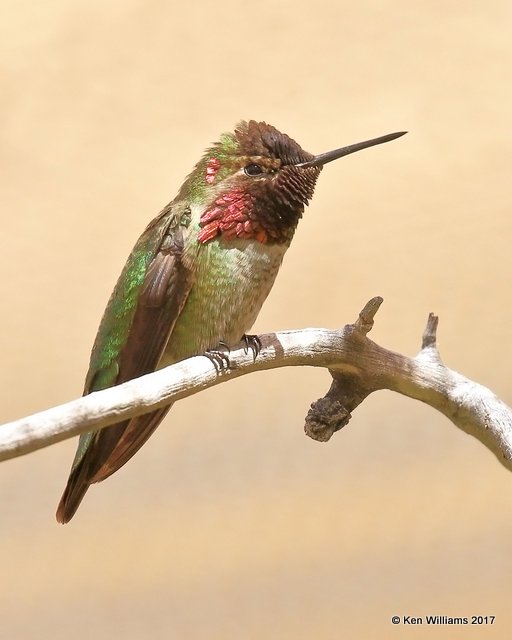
253 170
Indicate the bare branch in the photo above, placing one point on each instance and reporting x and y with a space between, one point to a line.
357 365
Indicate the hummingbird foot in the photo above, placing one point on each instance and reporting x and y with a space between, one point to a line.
219 356
253 343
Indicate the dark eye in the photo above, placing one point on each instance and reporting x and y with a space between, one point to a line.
253 170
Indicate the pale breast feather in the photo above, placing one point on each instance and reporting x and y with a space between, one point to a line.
232 279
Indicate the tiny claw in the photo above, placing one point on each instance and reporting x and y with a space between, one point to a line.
252 342
218 357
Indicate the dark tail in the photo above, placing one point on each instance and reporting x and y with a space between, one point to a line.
108 452
75 490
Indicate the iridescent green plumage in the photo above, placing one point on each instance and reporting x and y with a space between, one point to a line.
115 325
118 317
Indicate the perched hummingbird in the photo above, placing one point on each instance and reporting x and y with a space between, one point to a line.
197 277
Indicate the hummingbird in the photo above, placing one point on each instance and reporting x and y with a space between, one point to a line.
197 277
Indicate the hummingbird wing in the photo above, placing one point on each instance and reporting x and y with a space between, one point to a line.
131 339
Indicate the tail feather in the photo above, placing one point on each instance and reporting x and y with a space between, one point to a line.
107 453
74 492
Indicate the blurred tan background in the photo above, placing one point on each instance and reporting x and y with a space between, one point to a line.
230 523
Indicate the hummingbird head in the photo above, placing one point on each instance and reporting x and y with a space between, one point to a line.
255 183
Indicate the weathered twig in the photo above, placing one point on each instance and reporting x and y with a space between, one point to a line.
357 365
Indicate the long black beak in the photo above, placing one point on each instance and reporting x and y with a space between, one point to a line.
329 156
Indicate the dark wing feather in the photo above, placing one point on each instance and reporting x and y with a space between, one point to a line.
160 298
